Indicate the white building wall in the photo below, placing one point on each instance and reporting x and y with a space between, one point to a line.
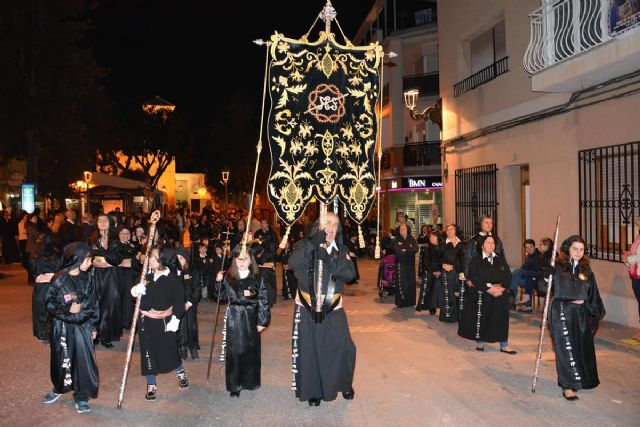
550 147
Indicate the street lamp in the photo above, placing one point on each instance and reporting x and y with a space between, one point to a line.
225 179
433 113
83 187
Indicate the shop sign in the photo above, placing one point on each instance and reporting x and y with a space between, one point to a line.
422 182
28 197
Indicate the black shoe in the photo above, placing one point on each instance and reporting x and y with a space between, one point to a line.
432 312
194 354
479 348
508 351
107 344
570 398
183 382
234 394
151 392
349 395
315 402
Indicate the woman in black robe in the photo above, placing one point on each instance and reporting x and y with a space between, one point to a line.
247 315
128 272
72 301
42 268
324 355
8 233
188 336
576 310
488 297
106 258
452 264
161 307
431 289
405 247
423 243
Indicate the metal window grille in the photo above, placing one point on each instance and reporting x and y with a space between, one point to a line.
476 195
609 199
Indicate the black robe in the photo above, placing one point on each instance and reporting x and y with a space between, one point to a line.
128 273
431 289
405 273
573 327
241 349
204 272
289 282
485 316
450 282
10 249
110 327
73 361
159 348
188 338
39 315
265 252
324 355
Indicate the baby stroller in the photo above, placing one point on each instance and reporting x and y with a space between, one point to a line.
386 276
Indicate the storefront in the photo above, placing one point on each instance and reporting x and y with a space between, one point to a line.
418 197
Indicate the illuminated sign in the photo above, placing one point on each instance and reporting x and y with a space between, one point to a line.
28 197
422 182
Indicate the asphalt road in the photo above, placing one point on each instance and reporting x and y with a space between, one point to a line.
411 370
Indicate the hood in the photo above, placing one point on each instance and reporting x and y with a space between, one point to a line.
74 254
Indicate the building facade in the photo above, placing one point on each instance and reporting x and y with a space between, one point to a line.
411 181
539 121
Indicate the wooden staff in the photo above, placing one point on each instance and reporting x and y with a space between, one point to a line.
155 216
546 309
215 323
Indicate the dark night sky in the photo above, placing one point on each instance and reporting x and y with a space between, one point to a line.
199 54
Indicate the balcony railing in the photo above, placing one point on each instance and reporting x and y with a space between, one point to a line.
481 77
425 153
562 29
428 84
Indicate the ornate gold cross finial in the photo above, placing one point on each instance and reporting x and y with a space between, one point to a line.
328 14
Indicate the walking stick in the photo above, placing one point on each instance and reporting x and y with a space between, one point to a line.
155 217
546 310
215 323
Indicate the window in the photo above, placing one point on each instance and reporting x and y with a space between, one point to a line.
609 199
476 196
488 48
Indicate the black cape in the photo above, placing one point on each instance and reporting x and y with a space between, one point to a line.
486 317
110 328
405 274
324 355
159 348
248 308
128 277
573 327
73 361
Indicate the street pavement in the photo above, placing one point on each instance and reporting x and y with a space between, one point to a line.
411 370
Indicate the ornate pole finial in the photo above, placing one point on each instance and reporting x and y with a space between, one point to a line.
328 14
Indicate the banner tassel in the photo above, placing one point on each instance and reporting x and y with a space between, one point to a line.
283 243
360 237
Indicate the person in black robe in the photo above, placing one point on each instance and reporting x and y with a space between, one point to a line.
43 267
423 243
72 301
203 269
352 245
106 259
188 334
431 290
247 315
405 247
9 232
289 283
239 233
488 297
574 317
324 355
452 265
128 272
161 307
265 245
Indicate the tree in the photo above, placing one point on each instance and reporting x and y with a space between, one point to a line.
53 108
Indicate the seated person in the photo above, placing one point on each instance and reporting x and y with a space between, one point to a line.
525 274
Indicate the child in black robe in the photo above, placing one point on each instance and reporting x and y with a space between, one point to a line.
188 337
72 301
247 315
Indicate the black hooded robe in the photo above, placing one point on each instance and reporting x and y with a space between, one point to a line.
486 317
450 282
158 347
431 289
573 327
189 323
324 355
73 361
128 272
265 253
110 328
40 317
241 349
405 274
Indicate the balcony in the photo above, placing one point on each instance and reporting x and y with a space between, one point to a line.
415 154
481 77
571 46
427 84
